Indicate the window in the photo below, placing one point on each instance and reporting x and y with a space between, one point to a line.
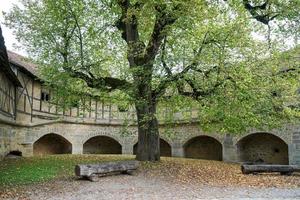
45 96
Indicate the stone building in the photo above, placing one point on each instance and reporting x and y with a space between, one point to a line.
32 125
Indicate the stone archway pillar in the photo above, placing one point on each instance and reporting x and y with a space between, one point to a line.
229 149
294 149
177 150
127 149
77 148
27 149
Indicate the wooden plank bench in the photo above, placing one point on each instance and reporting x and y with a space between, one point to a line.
94 171
283 169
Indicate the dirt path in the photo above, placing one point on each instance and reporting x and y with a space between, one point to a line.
141 187
169 179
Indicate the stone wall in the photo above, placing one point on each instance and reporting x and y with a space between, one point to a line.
9 139
264 148
294 150
180 140
6 135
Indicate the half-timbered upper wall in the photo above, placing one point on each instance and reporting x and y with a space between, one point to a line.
35 104
24 98
33 108
7 98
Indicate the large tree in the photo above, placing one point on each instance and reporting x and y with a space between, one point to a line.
153 52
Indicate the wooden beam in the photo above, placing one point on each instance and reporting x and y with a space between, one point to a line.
283 169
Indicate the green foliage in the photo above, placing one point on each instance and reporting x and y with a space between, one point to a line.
124 132
235 73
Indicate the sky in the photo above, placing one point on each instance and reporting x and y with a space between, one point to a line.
9 38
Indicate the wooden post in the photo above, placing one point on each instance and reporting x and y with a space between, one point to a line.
90 108
15 101
109 110
78 110
96 110
41 99
32 89
24 103
102 109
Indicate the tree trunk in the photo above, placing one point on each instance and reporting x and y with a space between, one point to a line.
148 135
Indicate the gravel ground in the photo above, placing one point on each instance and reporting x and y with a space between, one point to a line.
172 178
142 187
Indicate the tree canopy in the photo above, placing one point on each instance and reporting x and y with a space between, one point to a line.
223 57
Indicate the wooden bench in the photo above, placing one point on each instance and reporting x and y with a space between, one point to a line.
283 169
94 171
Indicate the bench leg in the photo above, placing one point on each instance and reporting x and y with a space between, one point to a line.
93 178
286 173
130 172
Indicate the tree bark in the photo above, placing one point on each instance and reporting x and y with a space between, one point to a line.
148 135
283 169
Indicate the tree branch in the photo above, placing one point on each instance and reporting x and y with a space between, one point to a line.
175 77
254 11
198 93
105 83
120 24
163 19
128 24
163 55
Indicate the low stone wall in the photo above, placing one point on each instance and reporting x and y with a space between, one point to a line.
6 135
9 140
180 140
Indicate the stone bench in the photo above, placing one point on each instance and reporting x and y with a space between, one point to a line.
94 171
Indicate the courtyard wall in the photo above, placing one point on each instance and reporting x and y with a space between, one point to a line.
38 126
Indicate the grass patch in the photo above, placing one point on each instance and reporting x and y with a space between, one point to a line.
17 172
29 171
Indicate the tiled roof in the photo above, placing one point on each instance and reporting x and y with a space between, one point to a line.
22 62
4 63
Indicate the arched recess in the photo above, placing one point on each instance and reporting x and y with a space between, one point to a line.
52 144
262 148
165 148
203 147
102 145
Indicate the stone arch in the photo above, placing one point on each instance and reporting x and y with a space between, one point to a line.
52 144
87 137
165 148
102 144
262 147
203 147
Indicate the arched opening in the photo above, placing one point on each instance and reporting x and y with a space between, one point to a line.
52 144
102 145
14 154
203 147
262 148
165 148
